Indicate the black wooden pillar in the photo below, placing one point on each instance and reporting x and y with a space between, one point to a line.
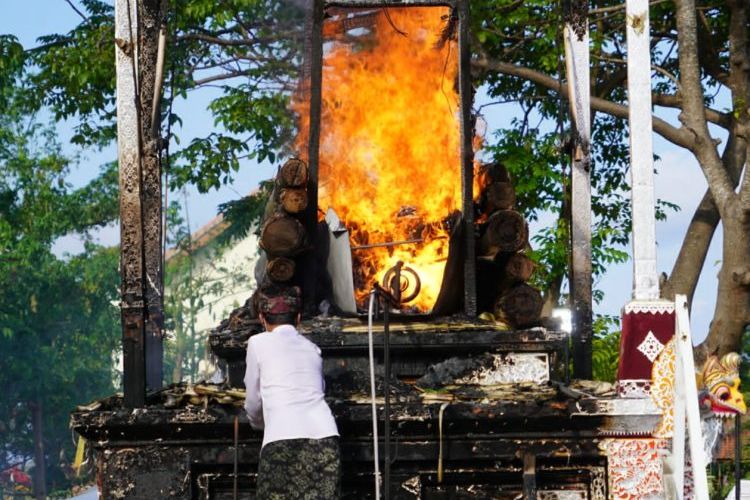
137 24
466 91
310 217
576 39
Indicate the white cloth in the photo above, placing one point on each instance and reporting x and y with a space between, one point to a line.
285 387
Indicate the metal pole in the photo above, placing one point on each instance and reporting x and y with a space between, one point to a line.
737 456
387 390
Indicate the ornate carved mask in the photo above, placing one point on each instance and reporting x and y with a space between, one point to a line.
719 384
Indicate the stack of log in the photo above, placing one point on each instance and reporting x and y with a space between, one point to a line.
282 235
283 240
503 268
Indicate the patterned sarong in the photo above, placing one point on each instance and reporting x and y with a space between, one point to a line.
300 469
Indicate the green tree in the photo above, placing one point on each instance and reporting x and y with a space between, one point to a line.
59 328
699 51
251 50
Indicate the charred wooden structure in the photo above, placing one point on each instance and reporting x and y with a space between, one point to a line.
490 416
475 407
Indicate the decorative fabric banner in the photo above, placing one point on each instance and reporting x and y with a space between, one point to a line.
647 328
635 468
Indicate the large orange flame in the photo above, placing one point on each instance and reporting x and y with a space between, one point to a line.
390 139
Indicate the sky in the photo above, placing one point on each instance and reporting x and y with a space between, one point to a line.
679 179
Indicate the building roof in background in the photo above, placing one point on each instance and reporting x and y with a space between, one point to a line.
202 237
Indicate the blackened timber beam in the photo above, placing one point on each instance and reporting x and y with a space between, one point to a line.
576 37
150 17
131 228
467 157
310 216
136 39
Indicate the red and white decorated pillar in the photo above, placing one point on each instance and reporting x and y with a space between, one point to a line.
647 322
647 327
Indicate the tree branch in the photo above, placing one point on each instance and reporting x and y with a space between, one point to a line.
72 6
716 117
745 188
707 54
654 67
606 86
616 8
693 115
231 42
739 82
222 76
677 136
690 262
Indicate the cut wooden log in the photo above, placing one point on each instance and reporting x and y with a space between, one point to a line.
493 172
505 231
519 268
280 269
282 236
293 173
520 306
498 196
293 200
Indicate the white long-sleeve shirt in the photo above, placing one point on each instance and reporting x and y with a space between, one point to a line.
285 387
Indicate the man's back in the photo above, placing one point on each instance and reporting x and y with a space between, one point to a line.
284 379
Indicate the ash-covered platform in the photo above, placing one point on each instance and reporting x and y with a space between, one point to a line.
470 434
414 344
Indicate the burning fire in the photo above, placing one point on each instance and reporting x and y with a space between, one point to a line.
390 140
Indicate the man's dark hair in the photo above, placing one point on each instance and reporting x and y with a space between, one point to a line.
281 319
279 304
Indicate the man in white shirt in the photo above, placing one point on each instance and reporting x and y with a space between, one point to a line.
285 397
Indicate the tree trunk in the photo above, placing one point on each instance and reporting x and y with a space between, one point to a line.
732 314
40 481
689 264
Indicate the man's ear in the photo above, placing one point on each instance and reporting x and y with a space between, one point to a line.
262 320
299 317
